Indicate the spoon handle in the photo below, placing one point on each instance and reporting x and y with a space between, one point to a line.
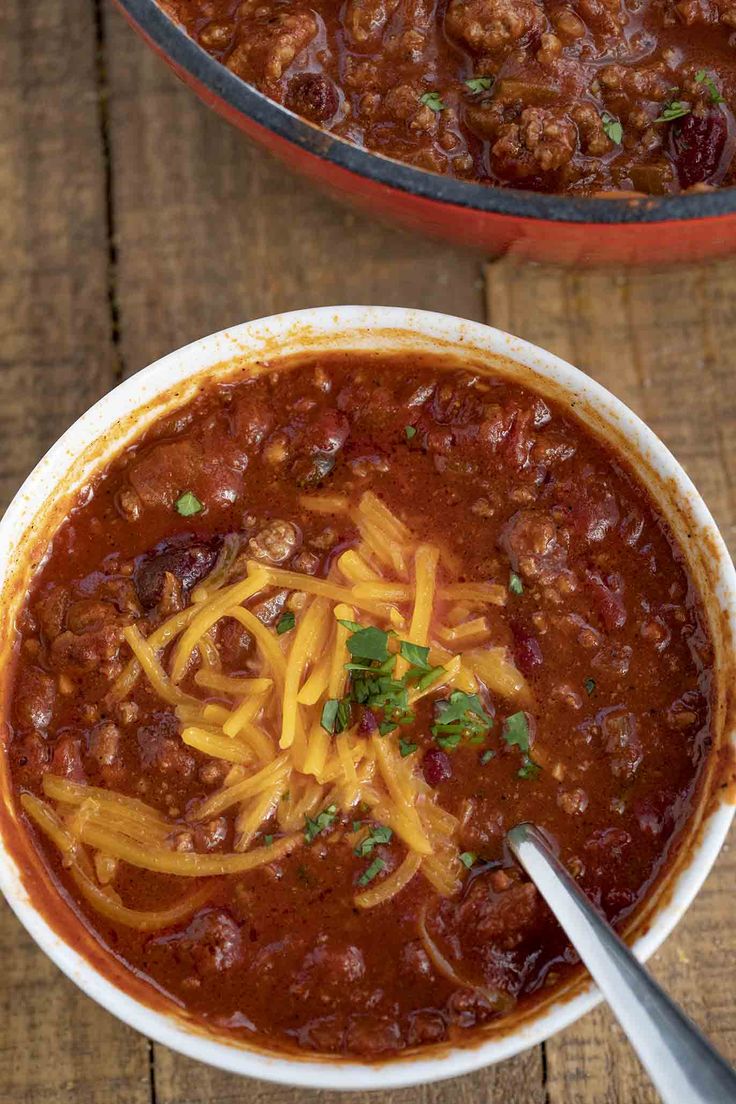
681 1062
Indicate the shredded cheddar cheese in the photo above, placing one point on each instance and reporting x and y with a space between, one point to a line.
293 744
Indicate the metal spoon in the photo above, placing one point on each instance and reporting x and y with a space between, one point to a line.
680 1061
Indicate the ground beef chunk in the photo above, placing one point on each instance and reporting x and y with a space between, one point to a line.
593 139
533 544
34 699
622 743
276 542
327 969
91 651
270 43
189 563
404 104
210 466
211 943
161 749
371 1035
493 26
67 758
251 421
425 1027
500 918
51 611
542 141
365 20
103 743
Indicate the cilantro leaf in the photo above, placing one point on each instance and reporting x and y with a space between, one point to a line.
516 731
406 748
612 128
368 875
314 825
675 109
368 643
433 100
461 715
268 840
467 858
187 504
410 432
335 715
515 584
479 84
450 741
415 655
589 685
528 769
486 756
704 77
379 834
352 625
285 623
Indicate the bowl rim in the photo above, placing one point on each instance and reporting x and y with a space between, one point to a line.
176 45
312 326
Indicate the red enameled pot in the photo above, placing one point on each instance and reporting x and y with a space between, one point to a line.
528 225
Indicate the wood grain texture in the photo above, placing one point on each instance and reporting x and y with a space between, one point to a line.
211 231
179 1081
56 357
663 342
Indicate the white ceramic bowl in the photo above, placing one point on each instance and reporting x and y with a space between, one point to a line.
116 419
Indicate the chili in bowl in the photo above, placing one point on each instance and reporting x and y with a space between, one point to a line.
299 622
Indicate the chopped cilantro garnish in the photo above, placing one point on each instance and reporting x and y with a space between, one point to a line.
314 825
487 755
368 875
449 741
187 504
406 748
479 84
368 643
285 623
410 432
589 685
268 840
613 128
675 109
434 101
528 769
415 655
379 834
357 825
335 715
467 858
461 715
704 77
515 584
516 731
373 682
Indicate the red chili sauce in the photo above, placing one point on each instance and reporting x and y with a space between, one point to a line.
599 616
571 97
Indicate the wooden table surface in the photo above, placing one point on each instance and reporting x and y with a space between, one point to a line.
132 220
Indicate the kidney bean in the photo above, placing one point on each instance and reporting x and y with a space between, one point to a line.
697 144
313 96
436 767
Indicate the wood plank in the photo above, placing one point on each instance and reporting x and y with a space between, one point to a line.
180 1081
663 342
57 357
211 231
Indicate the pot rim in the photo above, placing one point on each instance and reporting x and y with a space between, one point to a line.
176 45
133 403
